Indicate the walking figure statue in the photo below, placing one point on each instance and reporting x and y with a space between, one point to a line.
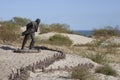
31 28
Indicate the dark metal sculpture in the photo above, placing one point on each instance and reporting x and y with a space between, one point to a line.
31 28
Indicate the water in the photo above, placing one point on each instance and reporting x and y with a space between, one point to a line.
85 32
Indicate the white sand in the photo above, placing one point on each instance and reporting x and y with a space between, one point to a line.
10 60
70 60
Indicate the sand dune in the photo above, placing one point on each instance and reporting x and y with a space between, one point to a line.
77 39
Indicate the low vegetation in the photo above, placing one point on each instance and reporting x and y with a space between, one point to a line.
94 43
20 21
82 73
60 40
56 27
106 70
106 32
9 32
97 57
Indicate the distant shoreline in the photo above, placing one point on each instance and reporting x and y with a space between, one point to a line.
85 32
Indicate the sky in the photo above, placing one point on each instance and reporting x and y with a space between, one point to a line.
78 14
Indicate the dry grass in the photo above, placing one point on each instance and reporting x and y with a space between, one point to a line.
82 73
107 70
59 40
96 57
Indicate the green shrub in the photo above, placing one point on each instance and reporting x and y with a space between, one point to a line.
9 32
82 73
111 50
56 27
60 40
20 21
44 28
106 32
61 28
107 70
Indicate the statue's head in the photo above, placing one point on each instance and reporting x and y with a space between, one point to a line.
38 21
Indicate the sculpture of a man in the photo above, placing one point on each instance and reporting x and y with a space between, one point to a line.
31 28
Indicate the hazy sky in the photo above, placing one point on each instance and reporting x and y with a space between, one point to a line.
79 14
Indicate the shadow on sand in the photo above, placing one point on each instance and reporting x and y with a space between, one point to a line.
7 48
46 48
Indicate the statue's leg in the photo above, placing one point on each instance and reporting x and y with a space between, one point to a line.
32 40
24 41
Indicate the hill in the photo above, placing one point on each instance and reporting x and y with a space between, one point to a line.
76 39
